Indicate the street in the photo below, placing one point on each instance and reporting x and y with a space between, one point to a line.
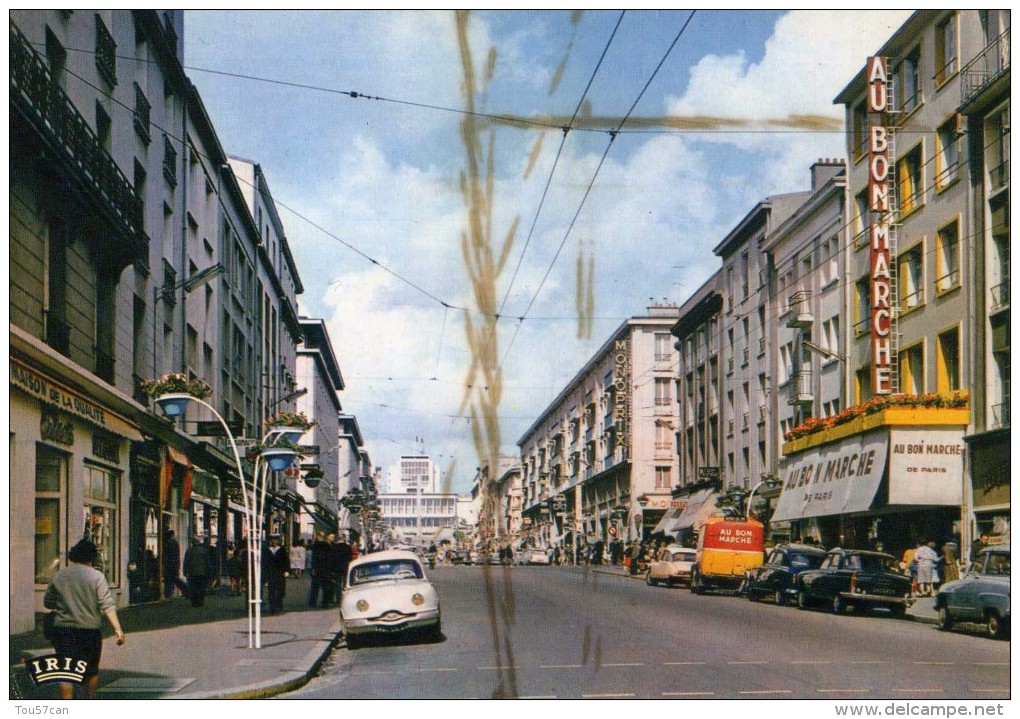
574 633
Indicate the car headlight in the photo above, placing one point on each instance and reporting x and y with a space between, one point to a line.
417 599
362 605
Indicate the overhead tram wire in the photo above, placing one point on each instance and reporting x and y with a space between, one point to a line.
563 141
587 192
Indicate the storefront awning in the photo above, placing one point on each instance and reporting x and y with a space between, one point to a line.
666 524
836 478
700 507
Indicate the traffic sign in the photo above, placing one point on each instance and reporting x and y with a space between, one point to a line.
709 472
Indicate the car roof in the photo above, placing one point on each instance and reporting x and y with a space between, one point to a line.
839 550
805 548
1004 547
385 556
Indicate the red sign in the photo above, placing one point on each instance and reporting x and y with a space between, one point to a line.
747 536
879 160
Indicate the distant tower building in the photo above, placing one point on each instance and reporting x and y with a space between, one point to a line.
414 472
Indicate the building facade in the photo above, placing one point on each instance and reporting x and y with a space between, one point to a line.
600 461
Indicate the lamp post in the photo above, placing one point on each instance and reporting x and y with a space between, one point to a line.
173 405
770 482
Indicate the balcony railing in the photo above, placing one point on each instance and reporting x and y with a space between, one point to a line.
1000 296
862 327
986 67
45 104
998 177
800 389
948 281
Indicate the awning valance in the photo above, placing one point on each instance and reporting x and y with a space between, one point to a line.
700 507
669 519
835 478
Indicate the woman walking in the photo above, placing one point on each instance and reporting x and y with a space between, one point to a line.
80 596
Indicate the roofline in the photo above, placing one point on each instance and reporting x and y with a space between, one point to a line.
858 84
328 356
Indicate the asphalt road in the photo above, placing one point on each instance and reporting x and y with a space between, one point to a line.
570 633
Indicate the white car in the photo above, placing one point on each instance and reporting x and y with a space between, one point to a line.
387 592
672 565
539 556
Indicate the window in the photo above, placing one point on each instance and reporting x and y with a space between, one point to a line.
862 307
910 181
56 59
947 155
58 331
663 479
662 393
830 337
997 152
50 481
106 52
908 77
862 384
103 126
947 257
912 369
786 362
861 220
662 346
947 362
859 131
142 114
945 50
732 348
100 518
911 278
169 161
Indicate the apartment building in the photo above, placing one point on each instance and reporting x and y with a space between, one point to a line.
600 460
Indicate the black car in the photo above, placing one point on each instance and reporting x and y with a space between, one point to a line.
854 578
776 579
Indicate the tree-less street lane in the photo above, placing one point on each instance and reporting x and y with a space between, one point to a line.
569 632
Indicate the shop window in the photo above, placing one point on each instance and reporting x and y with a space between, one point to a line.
910 181
911 278
947 257
100 518
947 372
50 481
912 369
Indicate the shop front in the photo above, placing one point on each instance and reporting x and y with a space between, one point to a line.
69 447
696 503
894 484
988 455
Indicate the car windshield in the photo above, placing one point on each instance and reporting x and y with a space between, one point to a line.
684 556
385 570
804 561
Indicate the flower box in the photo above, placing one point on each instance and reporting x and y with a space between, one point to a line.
892 416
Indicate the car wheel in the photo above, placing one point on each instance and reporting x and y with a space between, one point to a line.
838 605
778 598
994 625
352 642
435 632
802 600
648 578
945 619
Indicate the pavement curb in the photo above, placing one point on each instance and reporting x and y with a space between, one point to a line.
288 681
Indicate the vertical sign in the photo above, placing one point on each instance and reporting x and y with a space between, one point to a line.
879 205
621 383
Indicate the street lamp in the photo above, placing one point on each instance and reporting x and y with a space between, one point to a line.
769 482
173 405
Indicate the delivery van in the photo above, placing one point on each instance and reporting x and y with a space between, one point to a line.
727 549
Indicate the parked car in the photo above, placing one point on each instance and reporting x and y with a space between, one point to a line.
388 592
539 556
852 578
672 565
460 557
776 579
981 595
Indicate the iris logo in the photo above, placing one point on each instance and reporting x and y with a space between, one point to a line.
55 668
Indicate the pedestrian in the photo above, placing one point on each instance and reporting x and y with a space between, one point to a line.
332 571
976 547
171 563
80 596
320 568
344 557
634 555
925 557
214 564
276 569
950 562
596 552
297 558
235 568
197 571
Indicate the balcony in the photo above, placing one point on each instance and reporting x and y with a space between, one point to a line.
991 64
761 346
1000 415
998 177
801 318
800 388
1000 298
763 413
68 137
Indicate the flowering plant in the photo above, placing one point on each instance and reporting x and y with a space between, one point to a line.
176 383
280 443
873 406
290 419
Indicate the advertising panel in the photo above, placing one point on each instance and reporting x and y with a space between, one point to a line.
926 466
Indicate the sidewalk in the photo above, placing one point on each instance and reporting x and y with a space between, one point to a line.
174 650
922 610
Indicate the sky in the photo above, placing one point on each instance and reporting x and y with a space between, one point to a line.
392 140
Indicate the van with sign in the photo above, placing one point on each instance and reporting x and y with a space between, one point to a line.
727 550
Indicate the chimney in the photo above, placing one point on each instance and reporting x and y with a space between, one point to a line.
824 170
